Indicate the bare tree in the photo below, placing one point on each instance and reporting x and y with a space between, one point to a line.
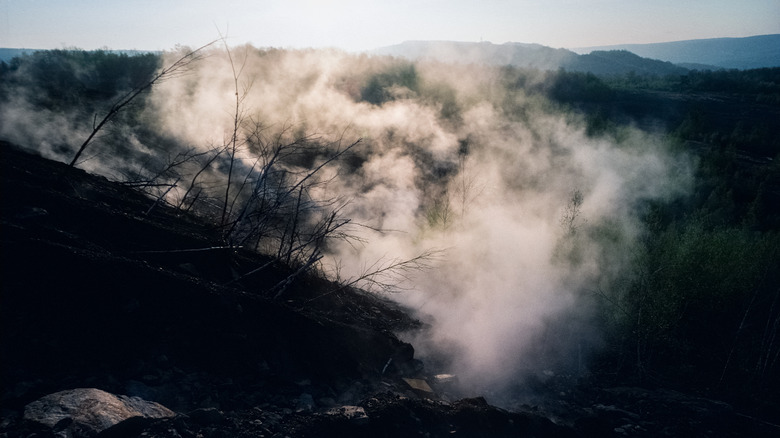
386 275
238 117
572 212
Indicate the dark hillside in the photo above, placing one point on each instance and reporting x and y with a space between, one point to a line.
709 291
97 293
726 118
116 285
620 62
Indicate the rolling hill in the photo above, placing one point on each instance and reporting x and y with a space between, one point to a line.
740 53
530 56
660 58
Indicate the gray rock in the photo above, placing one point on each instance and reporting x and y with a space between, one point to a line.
354 414
87 412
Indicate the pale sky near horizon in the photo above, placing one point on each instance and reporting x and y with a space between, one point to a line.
357 25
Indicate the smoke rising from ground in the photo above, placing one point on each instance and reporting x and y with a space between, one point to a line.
466 159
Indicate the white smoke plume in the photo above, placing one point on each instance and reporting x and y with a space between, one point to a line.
467 159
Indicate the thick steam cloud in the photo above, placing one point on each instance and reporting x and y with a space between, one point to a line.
532 215
456 158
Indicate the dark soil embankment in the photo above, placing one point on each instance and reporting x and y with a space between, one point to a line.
98 291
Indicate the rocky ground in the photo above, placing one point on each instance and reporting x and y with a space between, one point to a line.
100 290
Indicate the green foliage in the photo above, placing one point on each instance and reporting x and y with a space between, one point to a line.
762 81
440 214
570 87
708 267
698 306
64 79
723 108
391 84
443 96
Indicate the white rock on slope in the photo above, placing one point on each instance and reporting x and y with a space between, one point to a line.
86 412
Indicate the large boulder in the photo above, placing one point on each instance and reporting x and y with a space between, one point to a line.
87 412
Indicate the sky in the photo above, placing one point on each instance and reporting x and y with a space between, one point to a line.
358 25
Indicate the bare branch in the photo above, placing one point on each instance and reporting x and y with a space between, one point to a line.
387 275
131 95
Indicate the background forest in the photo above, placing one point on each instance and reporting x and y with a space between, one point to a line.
660 195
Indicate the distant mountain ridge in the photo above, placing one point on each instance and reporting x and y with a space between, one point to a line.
740 53
519 54
660 58
675 57
530 56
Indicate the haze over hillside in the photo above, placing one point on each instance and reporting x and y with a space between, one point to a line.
529 56
740 53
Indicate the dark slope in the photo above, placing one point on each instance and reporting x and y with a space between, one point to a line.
621 62
97 293
91 283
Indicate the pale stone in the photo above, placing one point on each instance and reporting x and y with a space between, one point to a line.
87 412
